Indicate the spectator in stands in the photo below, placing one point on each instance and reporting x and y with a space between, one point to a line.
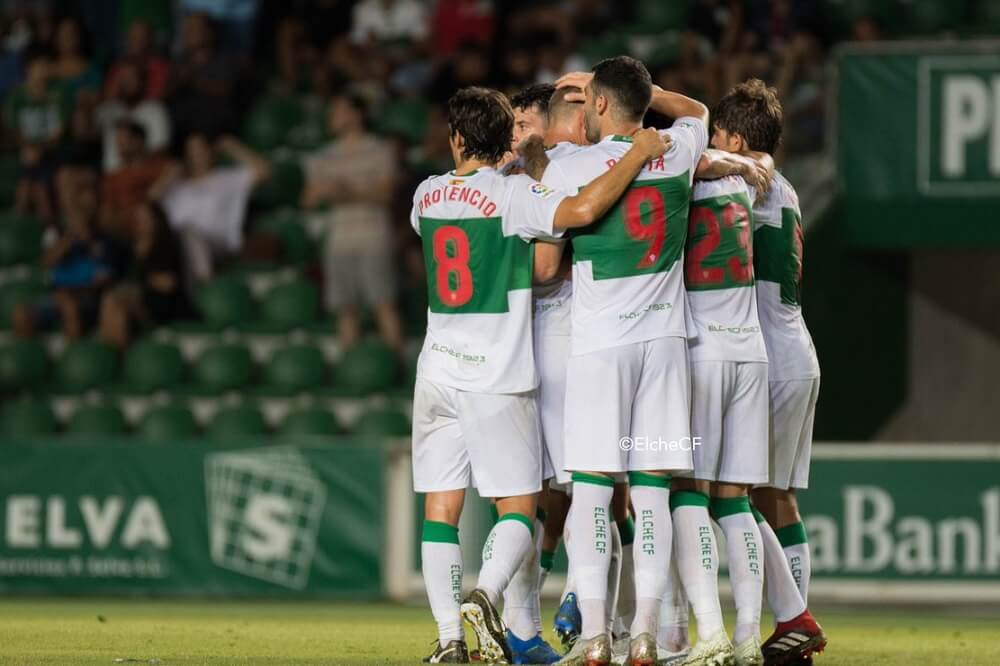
36 115
202 81
73 69
130 104
389 21
154 70
354 176
129 185
206 202
154 293
81 264
81 143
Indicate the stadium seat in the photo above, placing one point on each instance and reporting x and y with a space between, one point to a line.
224 302
153 366
97 420
20 240
86 365
270 121
407 118
284 186
295 369
28 418
654 16
310 421
9 169
169 422
311 131
369 367
15 293
382 422
223 368
236 422
287 224
291 305
23 365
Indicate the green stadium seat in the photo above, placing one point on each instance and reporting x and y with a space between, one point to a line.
270 121
153 366
287 224
24 364
170 422
608 45
224 302
382 422
237 422
310 421
86 365
28 418
653 16
97 420
20 240
284 186
296 369
224 368
13 294
311 131
406 118
369 367
290 305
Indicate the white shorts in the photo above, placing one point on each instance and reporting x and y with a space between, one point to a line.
793 406
628 409
460 436
729 417
551 358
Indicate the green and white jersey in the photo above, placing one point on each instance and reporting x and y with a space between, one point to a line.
777 261
475 231
718 273
628 280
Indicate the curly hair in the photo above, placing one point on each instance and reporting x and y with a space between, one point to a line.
753 111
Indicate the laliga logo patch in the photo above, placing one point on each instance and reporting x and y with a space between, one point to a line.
539 190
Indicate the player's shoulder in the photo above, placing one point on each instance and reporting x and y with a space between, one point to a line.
717 187
781 195
428 183
562 150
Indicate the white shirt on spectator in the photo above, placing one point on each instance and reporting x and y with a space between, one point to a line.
387 20
150 114
213 206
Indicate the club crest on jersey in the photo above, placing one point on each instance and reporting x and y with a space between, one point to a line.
540 191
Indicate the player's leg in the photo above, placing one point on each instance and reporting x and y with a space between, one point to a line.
623 611
672 637
504 444
441 470
599 390
660 424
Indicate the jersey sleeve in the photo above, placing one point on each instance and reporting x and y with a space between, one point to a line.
531 208
556 178
690 138
414 215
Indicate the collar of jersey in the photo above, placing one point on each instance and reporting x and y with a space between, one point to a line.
618 137
468 175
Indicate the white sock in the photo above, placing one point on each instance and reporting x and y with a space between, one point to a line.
441 563
570 584
538 579
590 548
697 559
626 588
611 620
746 565
782 593
796 546
508 544
520 595
652 549
673 634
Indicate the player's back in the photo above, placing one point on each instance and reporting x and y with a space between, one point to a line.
475 231
628 283
777 245
718 273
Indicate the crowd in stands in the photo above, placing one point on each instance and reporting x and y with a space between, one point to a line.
148 137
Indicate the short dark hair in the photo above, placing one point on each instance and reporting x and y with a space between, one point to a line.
558 104
534 96
627 81
485 120
753 111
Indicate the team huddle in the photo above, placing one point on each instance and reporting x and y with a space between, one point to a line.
616 356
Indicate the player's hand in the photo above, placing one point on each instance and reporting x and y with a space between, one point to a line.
575 80
756 176
531 147
651 143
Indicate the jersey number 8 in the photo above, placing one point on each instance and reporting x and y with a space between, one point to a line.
452 276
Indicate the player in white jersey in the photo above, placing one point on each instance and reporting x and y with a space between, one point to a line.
627 382
474 408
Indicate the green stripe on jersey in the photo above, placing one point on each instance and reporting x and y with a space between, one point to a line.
719 252
439 532
643 234
778 255
471 265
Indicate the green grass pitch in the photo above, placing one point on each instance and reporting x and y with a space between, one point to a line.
86 631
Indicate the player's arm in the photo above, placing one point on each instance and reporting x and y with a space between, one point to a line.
675 105
595 199
756 168
534 161
548 260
